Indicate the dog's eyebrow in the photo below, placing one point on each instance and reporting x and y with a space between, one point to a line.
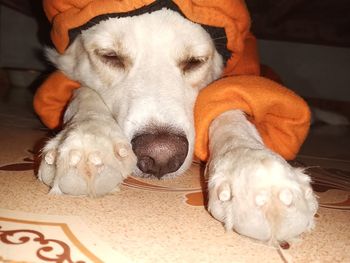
200 49
108 43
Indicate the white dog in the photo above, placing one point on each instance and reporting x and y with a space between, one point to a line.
140 77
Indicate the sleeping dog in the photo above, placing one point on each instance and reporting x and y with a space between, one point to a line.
140 77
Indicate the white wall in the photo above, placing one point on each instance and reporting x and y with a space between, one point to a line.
19 46
311 70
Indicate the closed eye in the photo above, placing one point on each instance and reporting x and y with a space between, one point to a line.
112 58
192 63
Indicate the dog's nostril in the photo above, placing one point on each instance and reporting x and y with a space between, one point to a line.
160 153
175 163
146 164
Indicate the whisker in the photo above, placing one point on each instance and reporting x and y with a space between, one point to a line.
217 38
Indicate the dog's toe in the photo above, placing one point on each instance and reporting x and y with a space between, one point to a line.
46 172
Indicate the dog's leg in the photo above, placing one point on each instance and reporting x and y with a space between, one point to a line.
253 190
90 156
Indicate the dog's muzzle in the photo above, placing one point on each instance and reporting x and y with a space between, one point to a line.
160 153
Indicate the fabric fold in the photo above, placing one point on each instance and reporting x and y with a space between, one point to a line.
281 117
52 97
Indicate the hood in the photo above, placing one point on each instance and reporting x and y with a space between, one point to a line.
228 19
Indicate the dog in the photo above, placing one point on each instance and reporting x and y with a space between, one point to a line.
140 77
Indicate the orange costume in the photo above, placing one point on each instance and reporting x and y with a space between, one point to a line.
281 117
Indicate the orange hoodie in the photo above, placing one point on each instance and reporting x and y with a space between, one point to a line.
281 117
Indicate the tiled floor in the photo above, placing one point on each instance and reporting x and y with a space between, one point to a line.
152 221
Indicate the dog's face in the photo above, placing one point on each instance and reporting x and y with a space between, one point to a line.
148 70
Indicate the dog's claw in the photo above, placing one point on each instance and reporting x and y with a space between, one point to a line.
308 192
261 199
50 157
74 157
95 159
286 197
224 192
123 152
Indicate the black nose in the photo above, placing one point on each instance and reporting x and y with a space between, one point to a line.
160 153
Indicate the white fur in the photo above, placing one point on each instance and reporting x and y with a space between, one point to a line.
252 189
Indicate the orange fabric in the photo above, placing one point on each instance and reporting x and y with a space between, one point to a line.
281 116
68 14
248 63
52 97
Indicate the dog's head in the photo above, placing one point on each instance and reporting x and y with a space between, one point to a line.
147 66
148 70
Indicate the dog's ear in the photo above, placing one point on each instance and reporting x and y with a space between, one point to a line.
52 55
67 61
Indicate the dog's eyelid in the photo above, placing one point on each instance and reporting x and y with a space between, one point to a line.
112 58
193 62
110 54
107 53
197 58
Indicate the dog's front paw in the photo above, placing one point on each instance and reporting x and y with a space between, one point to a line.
82 161
258 194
